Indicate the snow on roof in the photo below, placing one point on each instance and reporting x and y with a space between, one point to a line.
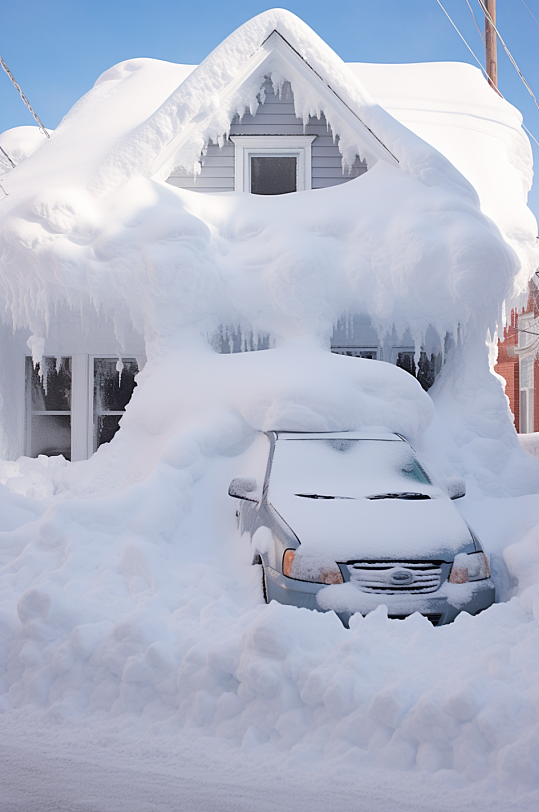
452 107
76 187
18 144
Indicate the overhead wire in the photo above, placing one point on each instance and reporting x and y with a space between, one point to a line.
507 51
462 38
25 100
475 21
481 64
2 150
531 12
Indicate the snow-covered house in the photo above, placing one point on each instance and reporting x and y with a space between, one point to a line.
261 195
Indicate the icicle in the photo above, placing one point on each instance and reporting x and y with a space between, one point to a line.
37 346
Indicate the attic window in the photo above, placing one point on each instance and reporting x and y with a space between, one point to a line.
272 165
273 174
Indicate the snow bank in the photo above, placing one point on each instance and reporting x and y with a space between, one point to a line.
105 611
530 443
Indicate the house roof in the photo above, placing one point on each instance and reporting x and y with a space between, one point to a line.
228 81
87 213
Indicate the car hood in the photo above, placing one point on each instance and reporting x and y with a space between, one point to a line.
396 529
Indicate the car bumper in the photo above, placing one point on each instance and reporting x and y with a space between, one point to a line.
437 607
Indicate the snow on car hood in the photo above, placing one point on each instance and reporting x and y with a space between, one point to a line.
332 530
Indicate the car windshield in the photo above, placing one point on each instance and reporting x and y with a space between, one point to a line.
347 469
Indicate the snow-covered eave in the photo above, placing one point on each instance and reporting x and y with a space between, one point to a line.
335 93
195 109
278 58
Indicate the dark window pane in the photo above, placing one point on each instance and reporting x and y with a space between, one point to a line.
355 353
51 435
427 370
113 390
273 175
107 426
406 361
51 391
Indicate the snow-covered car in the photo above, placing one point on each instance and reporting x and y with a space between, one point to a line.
347 521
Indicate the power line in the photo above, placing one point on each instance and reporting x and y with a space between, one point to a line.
462 38
508 52
475 21
529 133
481 65
25 100
531 12
7 156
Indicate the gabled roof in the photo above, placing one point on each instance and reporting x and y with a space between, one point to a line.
278 58
228 82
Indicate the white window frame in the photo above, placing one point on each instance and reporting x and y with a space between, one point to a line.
29 411
527 394
248 146
526 359
82 401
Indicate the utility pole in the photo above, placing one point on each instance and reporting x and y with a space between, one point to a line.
491 43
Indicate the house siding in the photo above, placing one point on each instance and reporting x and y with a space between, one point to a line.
275 117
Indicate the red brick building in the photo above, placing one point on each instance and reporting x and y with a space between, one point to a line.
518 365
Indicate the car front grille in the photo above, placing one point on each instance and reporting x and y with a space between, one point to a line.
395 577
434 619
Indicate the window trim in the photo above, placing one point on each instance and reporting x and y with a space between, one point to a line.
29 412
526 393
82 401
297 146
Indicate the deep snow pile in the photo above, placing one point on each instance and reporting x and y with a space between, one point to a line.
123 587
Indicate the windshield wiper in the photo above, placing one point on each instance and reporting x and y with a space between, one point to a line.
321 496
403 495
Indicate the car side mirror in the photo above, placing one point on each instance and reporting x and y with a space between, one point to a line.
244 487
455 487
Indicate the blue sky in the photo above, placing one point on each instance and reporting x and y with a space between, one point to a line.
57 48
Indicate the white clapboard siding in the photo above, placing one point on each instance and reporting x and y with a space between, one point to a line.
276 116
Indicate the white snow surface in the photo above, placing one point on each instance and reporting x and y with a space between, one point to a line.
18 144
530 443
128 606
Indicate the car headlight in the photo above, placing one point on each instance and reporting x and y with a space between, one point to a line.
469 567
324 575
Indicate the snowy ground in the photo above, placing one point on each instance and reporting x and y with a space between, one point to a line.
222 703
106 767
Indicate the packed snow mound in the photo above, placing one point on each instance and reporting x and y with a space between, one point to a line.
451 106
226 398
19 143
114 607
